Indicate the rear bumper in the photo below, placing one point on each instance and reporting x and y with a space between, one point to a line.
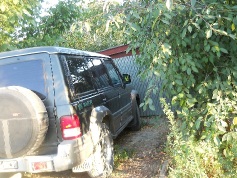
70 154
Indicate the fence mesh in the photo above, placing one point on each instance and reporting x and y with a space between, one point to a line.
127 65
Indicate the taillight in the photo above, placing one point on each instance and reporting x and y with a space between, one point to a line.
70 127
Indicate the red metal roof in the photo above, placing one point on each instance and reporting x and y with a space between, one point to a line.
118 52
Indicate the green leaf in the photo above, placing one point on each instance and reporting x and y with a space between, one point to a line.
189 71
217 140
141 105
205 59
149 101
233 27
167 15
179 82
152 107
229 138
135 14
134 27
207 48
224 50
222 32
198 122
235 121
191 102
232 36
194 69
185 23
194 35
184 33
189 29
165 21
208 33
196 25
193 2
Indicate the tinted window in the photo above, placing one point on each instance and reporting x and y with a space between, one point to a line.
27 74
80 75
100 76
115 79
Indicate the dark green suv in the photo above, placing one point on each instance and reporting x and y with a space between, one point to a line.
60 109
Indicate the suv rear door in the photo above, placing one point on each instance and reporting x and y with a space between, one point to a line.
33 72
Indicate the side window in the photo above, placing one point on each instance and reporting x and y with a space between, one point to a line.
113 74
100 76
80 75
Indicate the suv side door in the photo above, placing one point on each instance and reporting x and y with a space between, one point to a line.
124 92
109 93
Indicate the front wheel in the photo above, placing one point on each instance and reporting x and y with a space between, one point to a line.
103 160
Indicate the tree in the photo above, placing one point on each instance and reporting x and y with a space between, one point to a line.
91 30
15 16
191 46
74 24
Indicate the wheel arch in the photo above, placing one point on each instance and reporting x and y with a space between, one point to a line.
135 97
101 114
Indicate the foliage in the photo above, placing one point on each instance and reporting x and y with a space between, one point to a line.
191 46
71 23
15 17
190 158
121 155
51 27
91 30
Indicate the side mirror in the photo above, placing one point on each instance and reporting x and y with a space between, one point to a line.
126 78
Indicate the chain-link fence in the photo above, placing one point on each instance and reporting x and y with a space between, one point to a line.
127 65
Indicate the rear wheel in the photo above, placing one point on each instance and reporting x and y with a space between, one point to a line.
103 160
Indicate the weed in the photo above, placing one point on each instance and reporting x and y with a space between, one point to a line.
122 154
195 158
151 121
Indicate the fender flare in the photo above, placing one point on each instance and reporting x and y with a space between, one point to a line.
96 120
135 97
99 113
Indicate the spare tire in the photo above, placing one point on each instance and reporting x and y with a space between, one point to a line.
23 122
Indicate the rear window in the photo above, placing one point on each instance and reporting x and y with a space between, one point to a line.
28 74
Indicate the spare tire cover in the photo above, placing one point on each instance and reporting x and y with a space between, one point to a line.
23 122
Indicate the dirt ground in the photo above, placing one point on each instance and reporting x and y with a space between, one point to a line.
143 150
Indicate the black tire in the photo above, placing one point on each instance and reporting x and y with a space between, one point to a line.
136 123
23 122
103 162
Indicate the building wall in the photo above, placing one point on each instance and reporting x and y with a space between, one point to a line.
127 65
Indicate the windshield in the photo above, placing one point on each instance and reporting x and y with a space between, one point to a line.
28 74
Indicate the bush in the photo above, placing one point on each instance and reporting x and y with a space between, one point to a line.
191 47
